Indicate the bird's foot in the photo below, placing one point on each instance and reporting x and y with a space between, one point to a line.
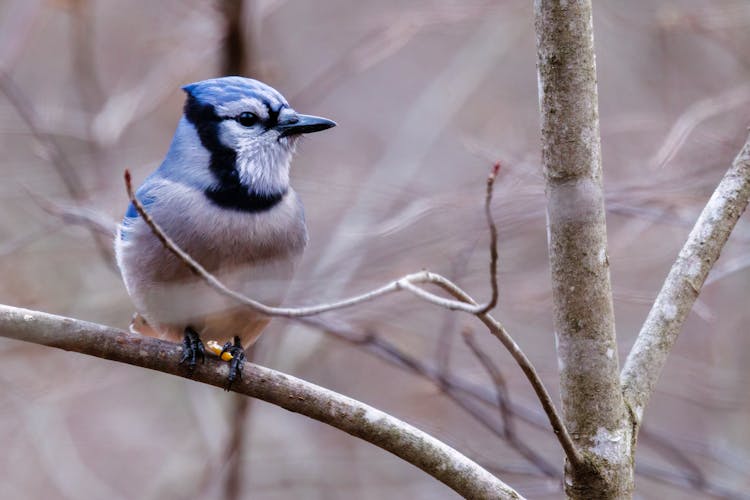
192 349
237 361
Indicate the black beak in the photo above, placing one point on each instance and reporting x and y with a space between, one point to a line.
303 124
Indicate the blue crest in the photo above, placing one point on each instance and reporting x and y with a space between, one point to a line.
218 91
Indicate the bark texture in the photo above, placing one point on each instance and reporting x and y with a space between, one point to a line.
439 460
593 406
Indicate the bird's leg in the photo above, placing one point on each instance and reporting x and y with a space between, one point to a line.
192 349
237 361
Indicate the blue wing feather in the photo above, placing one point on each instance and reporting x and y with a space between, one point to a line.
131 214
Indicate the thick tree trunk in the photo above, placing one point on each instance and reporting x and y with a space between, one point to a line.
594 409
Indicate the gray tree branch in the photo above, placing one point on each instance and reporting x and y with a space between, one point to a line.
593 405
683 284
434 457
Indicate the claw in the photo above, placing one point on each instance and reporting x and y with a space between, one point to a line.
192 349
236 363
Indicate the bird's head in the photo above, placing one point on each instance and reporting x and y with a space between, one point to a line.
242 134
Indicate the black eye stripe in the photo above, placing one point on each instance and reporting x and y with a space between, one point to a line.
273 115
270 121
248 118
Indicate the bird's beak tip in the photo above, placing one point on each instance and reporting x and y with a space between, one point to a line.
305 124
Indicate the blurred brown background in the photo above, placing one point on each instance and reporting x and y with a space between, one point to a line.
427 95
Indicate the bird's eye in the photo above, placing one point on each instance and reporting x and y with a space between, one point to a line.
247 119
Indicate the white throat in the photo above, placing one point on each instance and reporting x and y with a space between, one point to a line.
262 160
265 171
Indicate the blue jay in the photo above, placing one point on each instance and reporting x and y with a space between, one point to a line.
222 194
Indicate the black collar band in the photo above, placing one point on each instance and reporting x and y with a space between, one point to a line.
238 197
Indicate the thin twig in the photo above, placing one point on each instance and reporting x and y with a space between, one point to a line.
501 388
483 417
503 403
493 239
403 283
358 419
497 329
